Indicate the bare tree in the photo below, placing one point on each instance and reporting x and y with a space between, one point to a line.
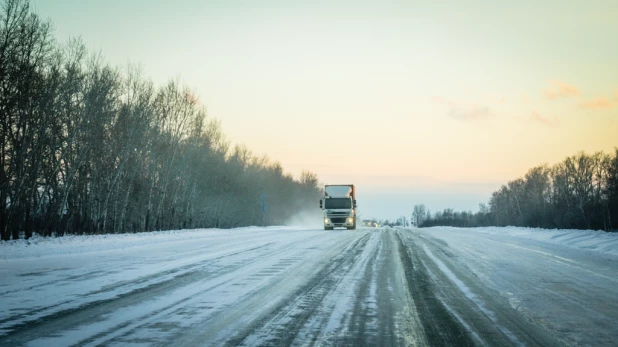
419 214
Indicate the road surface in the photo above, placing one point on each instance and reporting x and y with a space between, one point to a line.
292 286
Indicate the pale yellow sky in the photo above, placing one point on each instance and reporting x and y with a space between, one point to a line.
388 93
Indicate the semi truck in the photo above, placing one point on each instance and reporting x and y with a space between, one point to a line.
339 206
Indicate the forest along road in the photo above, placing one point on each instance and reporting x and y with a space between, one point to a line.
292 286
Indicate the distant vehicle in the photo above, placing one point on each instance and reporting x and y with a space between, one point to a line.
339 206
371 224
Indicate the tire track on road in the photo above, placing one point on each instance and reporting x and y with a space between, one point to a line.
276 327
486 315
439 325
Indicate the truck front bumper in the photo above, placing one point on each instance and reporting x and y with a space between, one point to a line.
337 222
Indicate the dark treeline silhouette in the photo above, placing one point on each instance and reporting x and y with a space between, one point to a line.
87 148
581 192
463 219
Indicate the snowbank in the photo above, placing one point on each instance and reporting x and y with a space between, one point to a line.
593 240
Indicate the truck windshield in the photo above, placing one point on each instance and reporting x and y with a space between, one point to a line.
338 203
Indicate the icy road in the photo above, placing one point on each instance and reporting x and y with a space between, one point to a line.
293 286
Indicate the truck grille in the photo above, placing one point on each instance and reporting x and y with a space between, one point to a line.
338 220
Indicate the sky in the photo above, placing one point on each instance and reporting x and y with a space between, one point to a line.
432 102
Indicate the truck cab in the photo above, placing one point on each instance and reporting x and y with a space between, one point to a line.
339 206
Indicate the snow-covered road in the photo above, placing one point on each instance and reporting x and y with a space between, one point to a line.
295 286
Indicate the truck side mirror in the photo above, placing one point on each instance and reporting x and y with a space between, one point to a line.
320 203
354 202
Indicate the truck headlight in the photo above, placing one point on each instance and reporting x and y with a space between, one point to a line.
350 220
325 220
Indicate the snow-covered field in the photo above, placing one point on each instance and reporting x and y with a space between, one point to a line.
293 285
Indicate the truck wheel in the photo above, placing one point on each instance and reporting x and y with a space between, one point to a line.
328 228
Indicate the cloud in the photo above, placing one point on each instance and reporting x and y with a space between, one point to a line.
550 121
595 104
464 112
560 90
470 113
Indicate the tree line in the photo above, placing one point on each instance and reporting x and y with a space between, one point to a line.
89 148
581 192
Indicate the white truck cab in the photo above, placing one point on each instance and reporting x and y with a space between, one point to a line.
339 206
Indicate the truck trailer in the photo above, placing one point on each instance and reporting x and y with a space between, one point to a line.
339 206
